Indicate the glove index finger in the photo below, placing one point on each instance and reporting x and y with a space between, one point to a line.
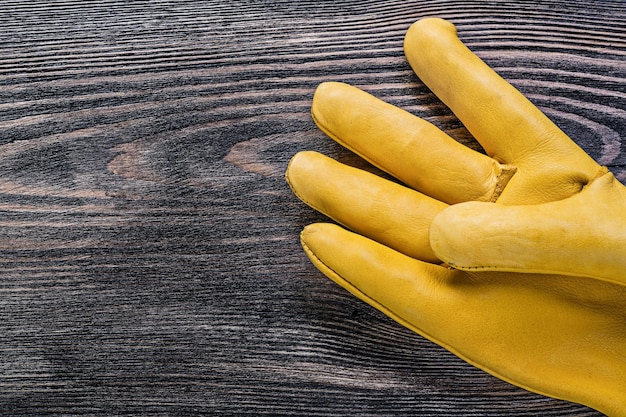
508 126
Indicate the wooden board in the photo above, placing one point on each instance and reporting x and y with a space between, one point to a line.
149 254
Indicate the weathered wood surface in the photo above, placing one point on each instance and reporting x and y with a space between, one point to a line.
149 255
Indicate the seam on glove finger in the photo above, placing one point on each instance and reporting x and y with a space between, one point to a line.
526 270
307 202
337 139
502 180
298 195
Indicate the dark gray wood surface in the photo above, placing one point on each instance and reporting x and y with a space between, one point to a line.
149 253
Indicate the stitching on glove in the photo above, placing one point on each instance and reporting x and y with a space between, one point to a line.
337 139
327 131
293 190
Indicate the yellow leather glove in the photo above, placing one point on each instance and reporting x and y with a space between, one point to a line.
557 324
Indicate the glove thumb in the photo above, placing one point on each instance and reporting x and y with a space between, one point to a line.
584 235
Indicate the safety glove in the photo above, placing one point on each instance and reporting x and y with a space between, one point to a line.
532 235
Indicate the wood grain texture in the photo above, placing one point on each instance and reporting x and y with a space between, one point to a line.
149 255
